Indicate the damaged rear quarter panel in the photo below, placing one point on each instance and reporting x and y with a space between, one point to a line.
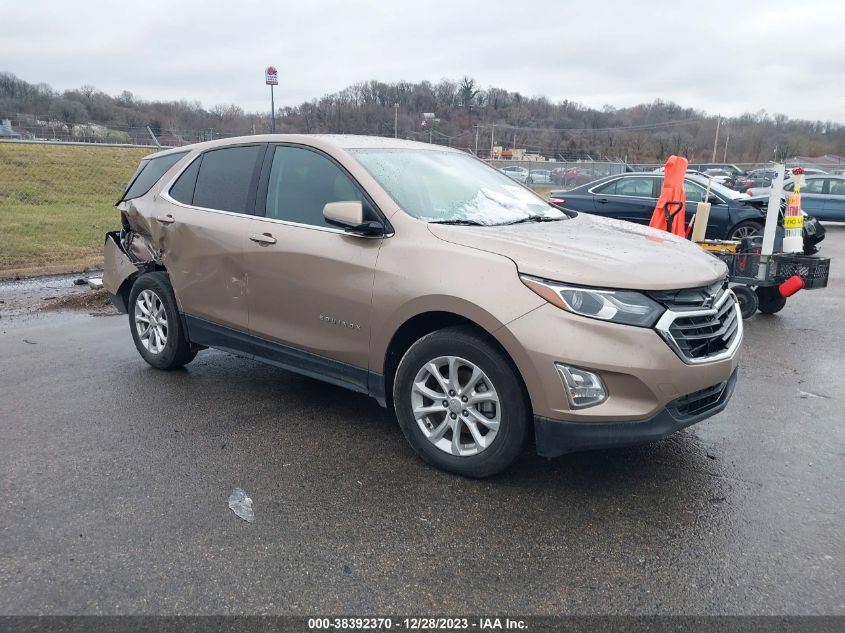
118 267
201 250
124 256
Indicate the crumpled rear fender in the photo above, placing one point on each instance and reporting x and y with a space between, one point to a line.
129 252
120 269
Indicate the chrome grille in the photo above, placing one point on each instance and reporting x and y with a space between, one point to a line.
701 331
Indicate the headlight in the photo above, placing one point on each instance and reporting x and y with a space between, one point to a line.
619 306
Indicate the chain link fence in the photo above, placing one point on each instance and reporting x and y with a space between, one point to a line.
26 127
57 202
563 175
57 198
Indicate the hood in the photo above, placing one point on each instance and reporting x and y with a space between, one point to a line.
592 251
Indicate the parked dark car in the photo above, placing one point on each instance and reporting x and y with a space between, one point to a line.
754 178
632 197
729 167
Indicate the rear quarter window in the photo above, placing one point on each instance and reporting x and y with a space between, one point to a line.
608 189
183 189
148 173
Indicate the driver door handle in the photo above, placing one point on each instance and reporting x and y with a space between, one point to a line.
603 200
263 238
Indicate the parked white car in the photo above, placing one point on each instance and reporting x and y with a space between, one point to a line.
516 172
540 177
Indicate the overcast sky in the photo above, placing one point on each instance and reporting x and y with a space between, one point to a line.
724 57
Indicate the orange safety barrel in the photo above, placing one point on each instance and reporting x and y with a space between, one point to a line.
670 212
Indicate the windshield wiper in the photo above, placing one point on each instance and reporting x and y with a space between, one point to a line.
536 218
458 222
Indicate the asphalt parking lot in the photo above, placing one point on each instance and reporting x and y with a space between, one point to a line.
115 481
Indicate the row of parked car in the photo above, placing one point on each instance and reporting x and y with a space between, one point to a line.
727 174
566 176
753 181
733 215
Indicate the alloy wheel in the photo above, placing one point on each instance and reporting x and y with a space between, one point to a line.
456 406
745 231
151 321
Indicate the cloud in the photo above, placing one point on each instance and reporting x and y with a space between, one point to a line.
723 57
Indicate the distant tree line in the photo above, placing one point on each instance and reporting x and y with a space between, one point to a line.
466 116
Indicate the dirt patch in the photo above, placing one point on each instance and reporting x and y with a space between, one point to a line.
95 302
13 270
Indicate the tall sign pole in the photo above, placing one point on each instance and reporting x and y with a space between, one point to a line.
271 78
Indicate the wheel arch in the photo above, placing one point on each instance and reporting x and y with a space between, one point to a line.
125 289
417 326
753 214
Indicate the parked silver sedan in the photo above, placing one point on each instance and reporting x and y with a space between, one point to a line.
539 177
823 196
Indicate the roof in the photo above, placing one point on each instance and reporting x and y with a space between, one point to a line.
325 141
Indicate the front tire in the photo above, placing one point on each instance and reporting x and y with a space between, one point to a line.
156 324
460 403
770 300
747 299
749 228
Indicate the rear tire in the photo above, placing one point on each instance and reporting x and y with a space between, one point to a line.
473 419
156 323
770 300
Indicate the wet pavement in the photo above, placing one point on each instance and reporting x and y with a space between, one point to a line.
116 480
27 296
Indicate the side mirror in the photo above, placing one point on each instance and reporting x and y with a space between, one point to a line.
714 200
350 217
344 214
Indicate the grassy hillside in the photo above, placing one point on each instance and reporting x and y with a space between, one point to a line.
56 202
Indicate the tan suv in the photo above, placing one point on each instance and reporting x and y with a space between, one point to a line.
421 276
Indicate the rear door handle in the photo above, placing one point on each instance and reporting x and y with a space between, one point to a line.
603 200
165 219
263 238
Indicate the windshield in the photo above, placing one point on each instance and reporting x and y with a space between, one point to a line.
715 187
438 186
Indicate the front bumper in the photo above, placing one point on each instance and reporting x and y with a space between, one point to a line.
556 437
641 373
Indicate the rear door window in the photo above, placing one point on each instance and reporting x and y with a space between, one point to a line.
636 187
148 173
837 187
608 190
227 178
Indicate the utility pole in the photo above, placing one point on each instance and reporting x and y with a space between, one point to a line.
492 134
727 140
476 138
716 140
395 120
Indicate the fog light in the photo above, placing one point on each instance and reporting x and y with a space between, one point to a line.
583 388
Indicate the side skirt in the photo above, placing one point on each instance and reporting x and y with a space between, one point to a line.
202 332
